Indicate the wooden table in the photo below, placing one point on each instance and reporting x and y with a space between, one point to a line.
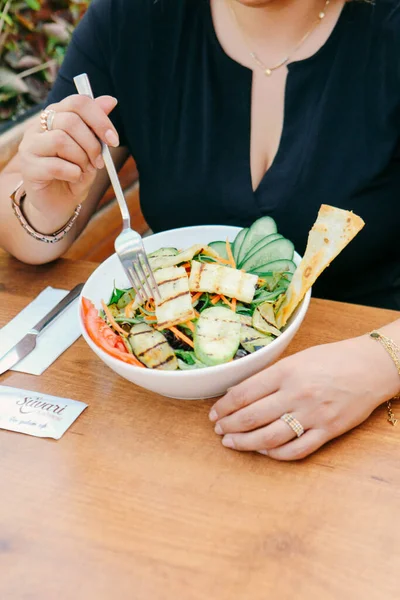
139 500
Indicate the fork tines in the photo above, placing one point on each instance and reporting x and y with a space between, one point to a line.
142 277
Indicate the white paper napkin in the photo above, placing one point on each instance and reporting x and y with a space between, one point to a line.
63 332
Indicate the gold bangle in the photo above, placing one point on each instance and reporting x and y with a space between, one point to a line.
394 351
17 197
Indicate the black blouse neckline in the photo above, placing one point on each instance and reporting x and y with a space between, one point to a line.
320 53
239 70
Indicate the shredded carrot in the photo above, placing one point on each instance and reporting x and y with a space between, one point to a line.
229 253
128 308
226 301
149 306
222 260
150 318
112 320
186 265
233 304
216 256
196 312
216 299
189 325
197 296
182 336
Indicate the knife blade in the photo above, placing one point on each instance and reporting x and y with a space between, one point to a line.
28 342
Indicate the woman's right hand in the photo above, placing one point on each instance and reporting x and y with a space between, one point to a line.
58 167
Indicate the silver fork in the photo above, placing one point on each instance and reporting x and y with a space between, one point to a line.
129 244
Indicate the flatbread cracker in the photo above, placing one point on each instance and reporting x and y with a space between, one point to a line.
331 232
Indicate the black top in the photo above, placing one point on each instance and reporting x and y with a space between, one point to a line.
184 113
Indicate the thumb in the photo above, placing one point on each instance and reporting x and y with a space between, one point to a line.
107 103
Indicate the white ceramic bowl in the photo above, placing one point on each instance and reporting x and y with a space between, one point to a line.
185 385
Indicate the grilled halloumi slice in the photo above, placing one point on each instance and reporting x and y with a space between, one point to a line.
217 279
175 305
151 348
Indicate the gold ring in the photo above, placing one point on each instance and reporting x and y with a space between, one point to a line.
47 119
293 423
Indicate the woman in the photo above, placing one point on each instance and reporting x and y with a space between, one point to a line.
233 109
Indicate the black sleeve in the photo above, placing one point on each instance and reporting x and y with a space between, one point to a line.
91 51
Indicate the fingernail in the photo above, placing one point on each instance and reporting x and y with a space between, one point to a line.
112 138
228 442
218 429
99 162
213 415
264 452
91 169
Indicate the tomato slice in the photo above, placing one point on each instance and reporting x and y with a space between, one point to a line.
103 336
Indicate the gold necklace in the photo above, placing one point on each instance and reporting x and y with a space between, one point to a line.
269 70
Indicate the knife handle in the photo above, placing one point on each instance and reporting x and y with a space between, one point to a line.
58 309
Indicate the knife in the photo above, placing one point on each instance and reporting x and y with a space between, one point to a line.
28 342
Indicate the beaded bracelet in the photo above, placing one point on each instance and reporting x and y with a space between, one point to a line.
17 197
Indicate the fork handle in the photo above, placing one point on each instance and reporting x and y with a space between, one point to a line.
84 88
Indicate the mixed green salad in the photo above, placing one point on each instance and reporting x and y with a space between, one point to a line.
218 302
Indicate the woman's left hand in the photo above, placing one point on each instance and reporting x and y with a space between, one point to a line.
329 389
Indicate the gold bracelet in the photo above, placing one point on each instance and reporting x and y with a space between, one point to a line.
394 351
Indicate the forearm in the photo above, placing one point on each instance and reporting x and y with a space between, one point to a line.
13 237
379 361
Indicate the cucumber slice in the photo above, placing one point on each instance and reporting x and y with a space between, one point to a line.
237 244
259 246
163 257
126 299
279 249
260 229
163 252
220 249
252 340
217 335
276 266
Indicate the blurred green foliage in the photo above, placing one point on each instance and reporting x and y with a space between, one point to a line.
34 35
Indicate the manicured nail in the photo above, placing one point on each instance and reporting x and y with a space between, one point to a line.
99 162
218 429
91 168
265 452
213 415
112 138
227 441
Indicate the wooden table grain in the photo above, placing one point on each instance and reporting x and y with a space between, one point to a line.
139 500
